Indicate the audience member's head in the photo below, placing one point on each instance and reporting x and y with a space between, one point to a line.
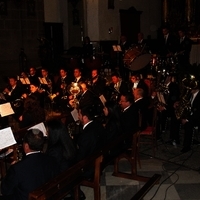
86 114
33 141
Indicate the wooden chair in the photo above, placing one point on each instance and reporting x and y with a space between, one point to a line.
131 155
148 136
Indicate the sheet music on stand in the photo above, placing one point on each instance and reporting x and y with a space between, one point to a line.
6 138
6 109
117 48
25 81
74 114
43 80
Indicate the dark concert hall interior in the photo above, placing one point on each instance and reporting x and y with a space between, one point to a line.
100 99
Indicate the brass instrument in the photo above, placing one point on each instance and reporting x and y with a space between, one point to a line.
184 107
74 89
64 89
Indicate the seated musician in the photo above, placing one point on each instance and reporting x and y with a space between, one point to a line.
29 173
118 86
92 136
33 77
34 91
33 113
97 84
137 82
129 114
141 104
48 88
112 122
61 93
78 78
13 91
86 98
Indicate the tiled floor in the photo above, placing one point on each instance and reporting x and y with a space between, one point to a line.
180 176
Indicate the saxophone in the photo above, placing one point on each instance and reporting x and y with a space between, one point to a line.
184 107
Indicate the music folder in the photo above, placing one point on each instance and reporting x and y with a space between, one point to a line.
6 138
116 48
6 109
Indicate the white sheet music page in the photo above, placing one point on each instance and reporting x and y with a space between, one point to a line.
74 114
40 127
6 109
6 138
103 99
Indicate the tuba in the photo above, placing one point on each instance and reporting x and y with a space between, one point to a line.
184 107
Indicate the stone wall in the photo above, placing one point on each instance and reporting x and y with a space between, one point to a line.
20 27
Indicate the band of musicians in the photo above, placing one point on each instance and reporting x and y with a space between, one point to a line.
118 96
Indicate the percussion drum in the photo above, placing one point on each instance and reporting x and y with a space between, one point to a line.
135 59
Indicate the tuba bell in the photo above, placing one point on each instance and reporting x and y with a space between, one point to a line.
184 107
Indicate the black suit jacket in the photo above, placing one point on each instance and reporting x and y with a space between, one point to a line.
183 51
169 46
130 120
142 107
86 99
98 87
90 140
16 93
123 89
194 117
28 174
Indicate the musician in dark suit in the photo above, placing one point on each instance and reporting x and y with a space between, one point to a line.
183 50
34 91
78 78
86 98
92 136
168 43
129 114
97 84
49 87
141 105
32 171
61 91
13 91
136 82
13 95
118 86
125 45
141 41
62 83
192 120
33 77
